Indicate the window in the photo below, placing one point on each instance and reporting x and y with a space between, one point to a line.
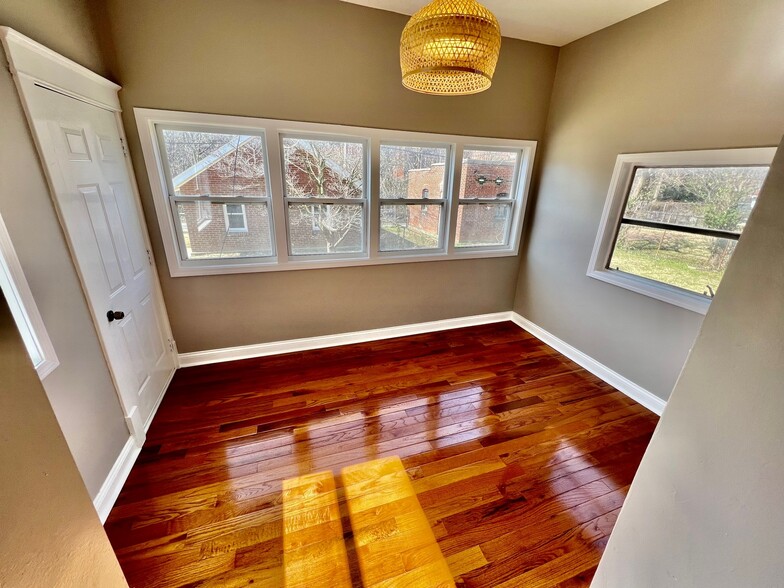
217 175
324 186
23 308
485 207
672 221
204 214
237 194
411 218
235 219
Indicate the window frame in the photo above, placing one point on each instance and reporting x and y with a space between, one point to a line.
615 205
172 200
272 131
24 309
422 201
510 200
314 201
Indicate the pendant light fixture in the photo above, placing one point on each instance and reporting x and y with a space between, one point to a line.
450 47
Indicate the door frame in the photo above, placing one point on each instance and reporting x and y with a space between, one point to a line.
34 65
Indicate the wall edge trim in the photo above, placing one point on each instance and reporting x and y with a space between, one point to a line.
634 391
110 490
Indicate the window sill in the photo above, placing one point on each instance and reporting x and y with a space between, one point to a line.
651 288
221 267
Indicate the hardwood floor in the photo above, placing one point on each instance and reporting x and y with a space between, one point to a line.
519 458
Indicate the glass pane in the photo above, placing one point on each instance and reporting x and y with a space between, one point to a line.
215 164
691 262
318 229
323 169
412 172
488 174
483 224
410 226
708 197
228 231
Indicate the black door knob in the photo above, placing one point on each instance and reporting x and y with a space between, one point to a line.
115 315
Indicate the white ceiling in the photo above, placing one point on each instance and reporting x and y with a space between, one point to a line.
553 22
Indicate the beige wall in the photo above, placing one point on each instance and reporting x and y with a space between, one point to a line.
689 74
50 535
704 508
323 61
80 389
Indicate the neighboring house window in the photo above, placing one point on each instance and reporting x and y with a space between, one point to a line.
425 196
23 308
411 218
672 221
484 214
325 195
236 219
204 214
238 194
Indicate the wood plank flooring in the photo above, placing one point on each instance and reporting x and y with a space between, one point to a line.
519 458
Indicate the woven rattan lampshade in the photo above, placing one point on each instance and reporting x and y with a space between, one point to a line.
450 47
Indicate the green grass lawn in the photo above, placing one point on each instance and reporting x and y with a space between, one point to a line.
416 236
680 269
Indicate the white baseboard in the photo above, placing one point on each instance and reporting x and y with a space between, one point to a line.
107 495
306 344
616 380
632 390
110 490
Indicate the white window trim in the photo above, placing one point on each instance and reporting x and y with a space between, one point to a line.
613 210
24 308
147 119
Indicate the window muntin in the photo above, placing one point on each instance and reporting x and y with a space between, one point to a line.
217 188
485 206
325 195
680 225
278 249
413 197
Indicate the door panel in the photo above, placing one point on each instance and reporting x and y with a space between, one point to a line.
130 228
93 193
103 237
153 342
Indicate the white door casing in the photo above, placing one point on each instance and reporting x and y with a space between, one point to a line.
77 130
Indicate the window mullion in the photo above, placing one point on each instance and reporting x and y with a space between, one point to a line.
277 195
454 192
373 232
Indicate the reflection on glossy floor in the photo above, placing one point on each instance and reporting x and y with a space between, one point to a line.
519 459
393 541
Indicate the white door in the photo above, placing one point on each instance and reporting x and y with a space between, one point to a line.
85 161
